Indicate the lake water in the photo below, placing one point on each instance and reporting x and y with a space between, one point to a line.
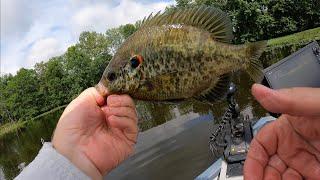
173 143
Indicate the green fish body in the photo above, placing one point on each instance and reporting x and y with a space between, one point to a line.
179 55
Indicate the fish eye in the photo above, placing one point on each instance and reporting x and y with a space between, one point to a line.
111 76
135 61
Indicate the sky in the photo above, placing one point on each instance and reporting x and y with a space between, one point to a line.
36 30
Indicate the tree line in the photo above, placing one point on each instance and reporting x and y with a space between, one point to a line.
255 20
60 79
57 81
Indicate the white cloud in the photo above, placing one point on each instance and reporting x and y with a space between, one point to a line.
36 30
99 16
16 18
9 63
44 49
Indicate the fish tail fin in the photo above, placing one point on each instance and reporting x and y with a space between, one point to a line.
254 69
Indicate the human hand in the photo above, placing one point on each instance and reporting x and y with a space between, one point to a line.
288 148
94 135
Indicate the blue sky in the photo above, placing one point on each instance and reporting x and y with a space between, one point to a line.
35 30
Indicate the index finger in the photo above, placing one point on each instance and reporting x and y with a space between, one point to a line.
293 101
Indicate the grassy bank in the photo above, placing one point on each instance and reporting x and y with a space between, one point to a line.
14 126
11 127
282 47
303 37
51 111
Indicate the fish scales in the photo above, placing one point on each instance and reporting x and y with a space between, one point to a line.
186 51
174 61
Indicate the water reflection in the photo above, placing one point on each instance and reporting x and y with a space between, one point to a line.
177 149
22 146
176 156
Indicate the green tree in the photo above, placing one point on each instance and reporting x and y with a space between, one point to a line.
127 30
98 66
85 62
56 82
77 65
93 44
5 114
265 19
22 98
116 36
183 3
53 84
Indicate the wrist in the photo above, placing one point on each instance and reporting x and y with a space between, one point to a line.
78 159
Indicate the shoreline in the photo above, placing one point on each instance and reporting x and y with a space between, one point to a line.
11 127
272 54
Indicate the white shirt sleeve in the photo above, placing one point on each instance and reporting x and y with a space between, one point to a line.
50 165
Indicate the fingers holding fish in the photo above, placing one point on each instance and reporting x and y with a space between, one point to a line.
121 114
127 125
120 101
127 112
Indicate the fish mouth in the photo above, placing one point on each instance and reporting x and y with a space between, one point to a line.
101 88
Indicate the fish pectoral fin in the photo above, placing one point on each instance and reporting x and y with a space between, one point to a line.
147 85
211 19
217 92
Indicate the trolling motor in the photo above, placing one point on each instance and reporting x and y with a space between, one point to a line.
238 132
235 139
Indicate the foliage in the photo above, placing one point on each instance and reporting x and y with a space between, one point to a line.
116 36
297 38
56 82
22 91
265 19
282 47
11 126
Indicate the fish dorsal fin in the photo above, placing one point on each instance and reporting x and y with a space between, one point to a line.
208 18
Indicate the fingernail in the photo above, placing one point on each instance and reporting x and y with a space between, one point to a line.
261 91
259 86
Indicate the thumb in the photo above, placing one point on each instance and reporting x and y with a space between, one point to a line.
293 101
92 93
